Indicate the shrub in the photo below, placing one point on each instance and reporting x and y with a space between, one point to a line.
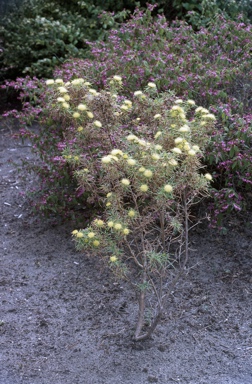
201 13
40 35
145 182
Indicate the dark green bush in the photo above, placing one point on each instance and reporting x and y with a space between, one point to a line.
201 13
40 35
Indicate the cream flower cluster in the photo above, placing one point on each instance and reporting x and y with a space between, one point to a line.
89 237
63 100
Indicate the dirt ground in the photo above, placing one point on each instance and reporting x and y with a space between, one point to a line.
64 320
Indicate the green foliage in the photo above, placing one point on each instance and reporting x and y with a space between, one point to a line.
9 5
40 35
201 13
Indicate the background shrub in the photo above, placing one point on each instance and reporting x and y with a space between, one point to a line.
39 35
201 13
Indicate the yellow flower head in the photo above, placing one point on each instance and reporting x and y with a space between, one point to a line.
79 129
125 182
157 116
75 232
131 137
185 128
63 90
113 259
79 234
117 78
106 159
159 133
91 235
66 97
143 143
76 115
113 157
178 140
108 204
208 176
116 152
158 147
132 213
191 152
110 224
90 114
60 99
168 188
152 85
155 156
118 226
186 146
177 150
109 194
96 243
191 102
178 109
179 101
77 81
173 162
141 169
144 188
128 102
124 107
138 93
148 173
49 82
82 107
209 116
100 223
97 123
92 91
65 105
131 162
126 231
195 148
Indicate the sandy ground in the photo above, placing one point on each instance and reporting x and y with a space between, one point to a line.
63 319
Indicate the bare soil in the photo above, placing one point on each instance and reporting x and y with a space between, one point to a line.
64 320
